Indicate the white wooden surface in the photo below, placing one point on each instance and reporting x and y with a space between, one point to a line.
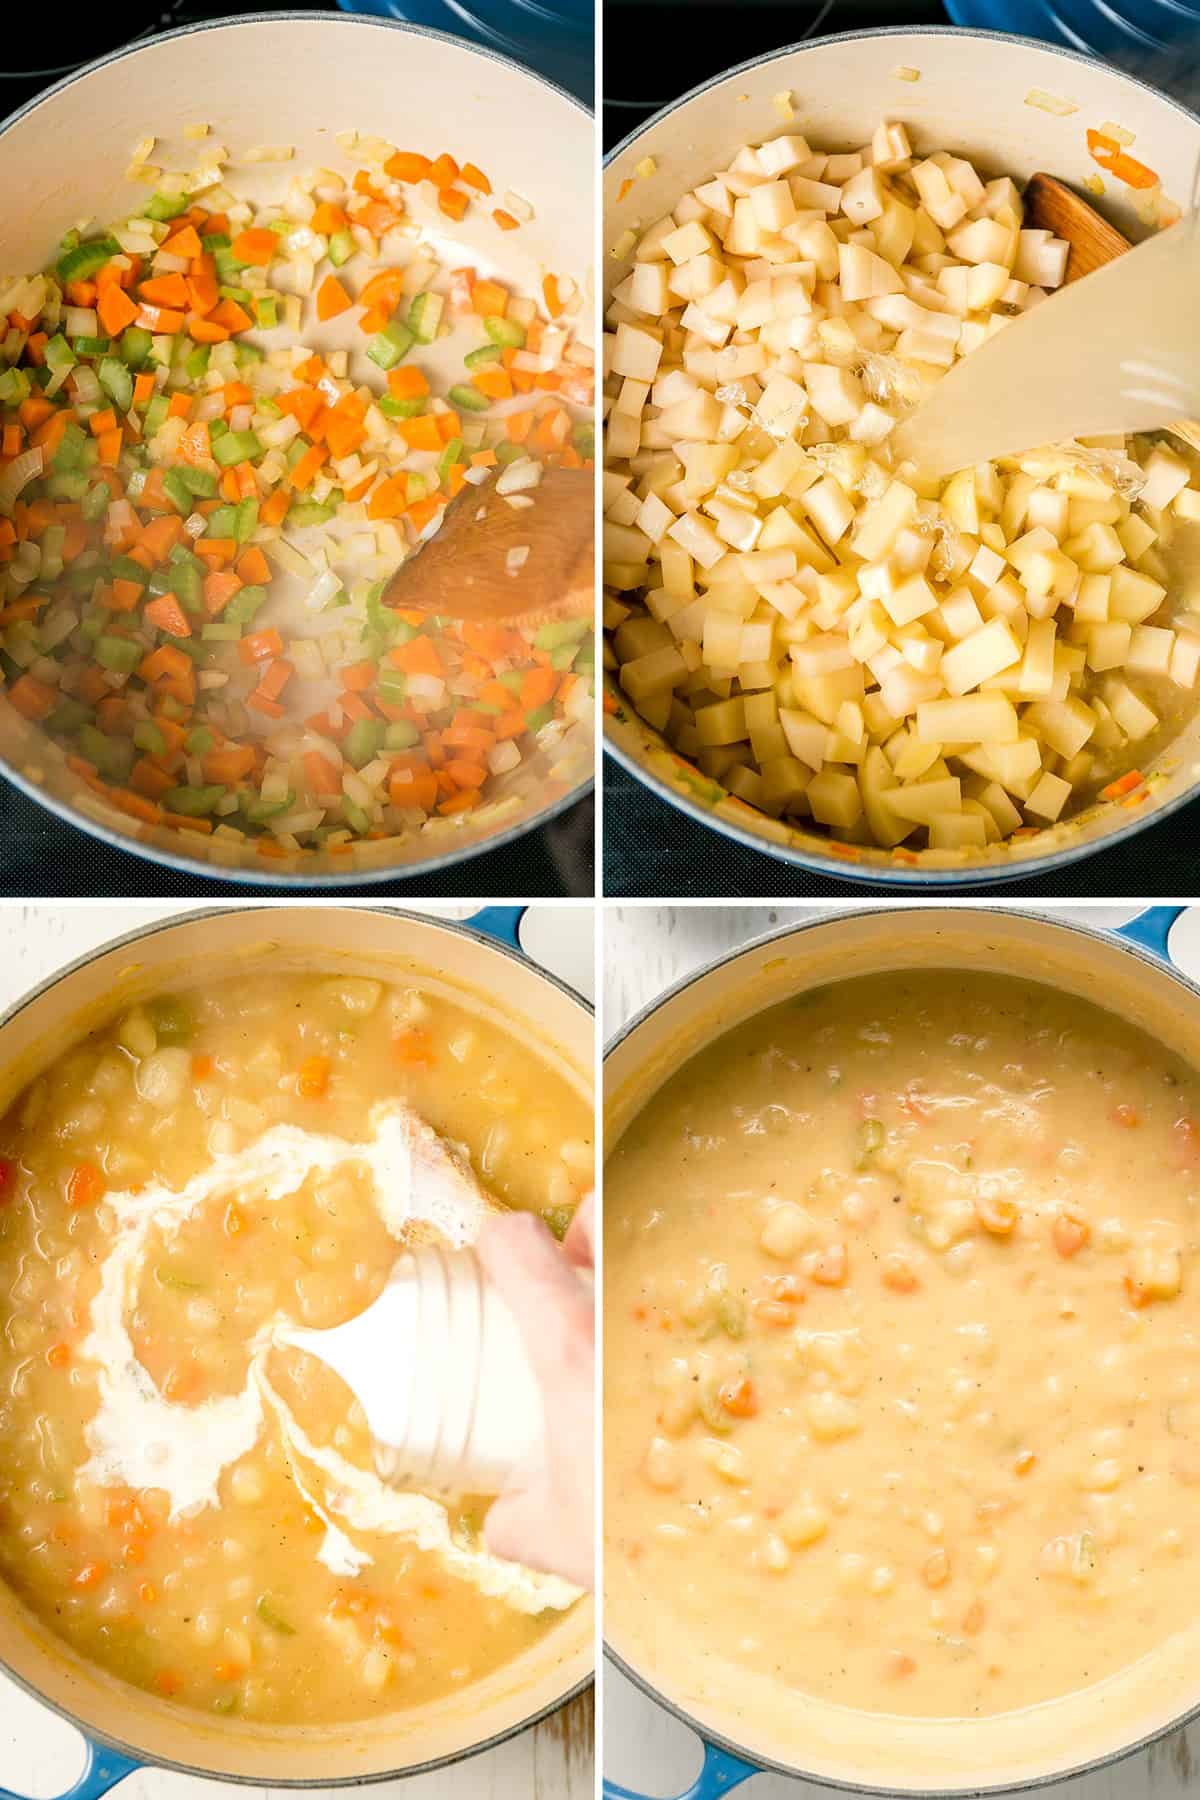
39 1754
646 949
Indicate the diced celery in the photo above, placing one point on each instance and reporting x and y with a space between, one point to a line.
486 353
156 414
391 345
246 520
391 408
453 453
121 654
298 447
362 741
148 737
401 734
245 354
235 447
199 741
123 568
467 399
583 436
424 317
560 632
192 802
68 716
216 240
15 386
91 346
196 362
83 260
201 482
266 311
94 503
69 454
244 605
220 633
222 522
341 248
60 358
69 484
504 333
540 716
53 539
356 817
165 206
257 811
309 512
509 453
136 346
112 756
177 490
117 382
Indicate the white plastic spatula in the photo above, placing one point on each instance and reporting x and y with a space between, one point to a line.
438 1366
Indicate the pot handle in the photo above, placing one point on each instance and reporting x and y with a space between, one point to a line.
500 922
718 1774
102 1769
1151 929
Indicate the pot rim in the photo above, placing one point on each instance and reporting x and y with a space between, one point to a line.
986 874
1108 934
171 859
152 928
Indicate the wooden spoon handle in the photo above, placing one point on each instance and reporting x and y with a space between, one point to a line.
1050 205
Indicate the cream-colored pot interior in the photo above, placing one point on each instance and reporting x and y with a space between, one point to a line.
344 940
761 1718
970 97
298 80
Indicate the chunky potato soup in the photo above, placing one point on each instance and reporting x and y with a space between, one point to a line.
187 1503
903 1401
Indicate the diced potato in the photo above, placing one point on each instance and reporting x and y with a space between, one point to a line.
925 800
986 652
977 718
1048 797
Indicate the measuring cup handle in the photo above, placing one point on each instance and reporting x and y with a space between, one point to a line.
718 1774
500 922
102 1769
1151 930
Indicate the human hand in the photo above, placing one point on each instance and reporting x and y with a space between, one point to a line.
545 1517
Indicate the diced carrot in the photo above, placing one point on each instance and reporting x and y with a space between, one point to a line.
1125 784
453 202
322 776
32 698
179 406
115 310
422 432
420 512
329 218
143 389
343 434
465 773
407 383
494 382
383 291
462 801
257 246
449 425
85 1185
260 646
184 242
483 459
160 536
737 1396
505 220
332 298
206 331
236 393
309 465
443 170
312 1081
388 500
166 614
264 704
81 293
538 687
232 316
59 1356
490 299
10 444
216 550
147 778
35 411
276 679
274 509
253 567
165 290
408 165
160 319
476 178
409 789
517 427
229 765
90 1575
418 657
126 801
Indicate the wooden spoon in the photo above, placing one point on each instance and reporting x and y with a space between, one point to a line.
472 568
1052 206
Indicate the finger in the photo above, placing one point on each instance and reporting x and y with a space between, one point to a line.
579 1245
553 1309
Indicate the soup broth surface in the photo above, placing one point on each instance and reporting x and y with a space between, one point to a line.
902 1362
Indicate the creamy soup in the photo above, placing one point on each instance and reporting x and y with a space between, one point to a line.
902 1390
185 1501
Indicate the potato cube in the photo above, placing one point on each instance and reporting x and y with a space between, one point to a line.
833 798
925 800
975 718
1150 650
1166 476
986 652
637 353
957 831
1048 797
